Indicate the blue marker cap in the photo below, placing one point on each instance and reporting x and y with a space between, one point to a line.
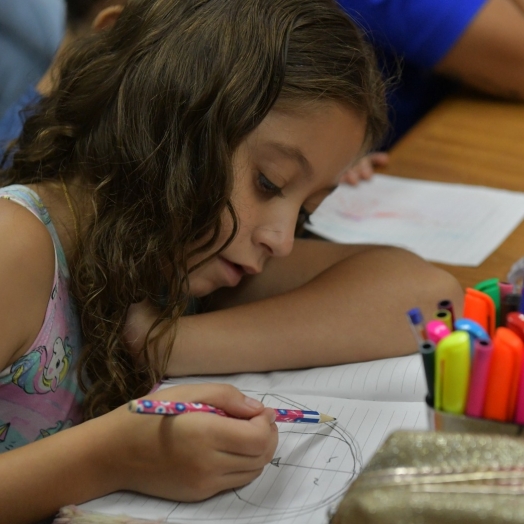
415 316
474 329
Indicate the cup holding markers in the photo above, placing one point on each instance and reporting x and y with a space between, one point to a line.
453 423
475 371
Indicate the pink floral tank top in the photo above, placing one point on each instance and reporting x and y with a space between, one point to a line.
39 393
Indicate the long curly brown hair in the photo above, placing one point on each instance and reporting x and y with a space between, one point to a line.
148 116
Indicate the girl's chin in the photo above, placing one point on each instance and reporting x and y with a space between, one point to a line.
201 288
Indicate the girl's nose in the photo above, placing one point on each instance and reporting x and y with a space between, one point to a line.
278 240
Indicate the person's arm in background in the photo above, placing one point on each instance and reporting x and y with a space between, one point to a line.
365 167
489 55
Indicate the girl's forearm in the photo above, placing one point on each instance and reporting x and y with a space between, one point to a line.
353 311
67 468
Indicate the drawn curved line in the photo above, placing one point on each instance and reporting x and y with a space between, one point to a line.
340 434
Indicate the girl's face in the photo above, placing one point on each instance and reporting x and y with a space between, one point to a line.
285 167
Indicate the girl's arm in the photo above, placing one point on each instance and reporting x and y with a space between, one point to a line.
326 304
489 56
27 261
185 458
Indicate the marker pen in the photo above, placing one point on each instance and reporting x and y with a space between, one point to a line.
473 329
480 307
448 306
503 376
519 408
436 330
510 303
452 365
427 350
505 288
521 303
443 315
491 288
416 322
515 322
478 379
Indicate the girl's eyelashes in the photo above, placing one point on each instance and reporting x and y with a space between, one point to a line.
267 186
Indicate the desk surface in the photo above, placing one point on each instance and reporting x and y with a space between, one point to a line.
471 140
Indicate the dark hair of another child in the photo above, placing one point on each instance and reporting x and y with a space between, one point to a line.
78 12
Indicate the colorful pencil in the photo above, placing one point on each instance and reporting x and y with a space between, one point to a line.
164 407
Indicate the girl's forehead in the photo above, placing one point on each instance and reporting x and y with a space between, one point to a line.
319 139
332 124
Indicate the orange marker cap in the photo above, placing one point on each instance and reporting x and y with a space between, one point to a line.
480 307
503 376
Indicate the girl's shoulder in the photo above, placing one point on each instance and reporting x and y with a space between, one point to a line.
27 266
25 239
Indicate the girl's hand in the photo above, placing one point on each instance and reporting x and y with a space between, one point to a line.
364 169
196 455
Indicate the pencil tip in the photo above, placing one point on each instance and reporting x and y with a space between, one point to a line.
327 418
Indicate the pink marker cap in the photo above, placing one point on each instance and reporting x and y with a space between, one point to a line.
436 330
478 379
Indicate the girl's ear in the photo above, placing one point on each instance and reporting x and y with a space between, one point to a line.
107 17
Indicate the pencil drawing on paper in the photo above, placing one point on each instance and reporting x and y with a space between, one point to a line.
312 468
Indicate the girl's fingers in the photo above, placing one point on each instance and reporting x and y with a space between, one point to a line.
365 169
223 396
229 463
239 479
379 158
351 177
252 438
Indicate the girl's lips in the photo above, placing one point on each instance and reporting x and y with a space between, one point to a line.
233 272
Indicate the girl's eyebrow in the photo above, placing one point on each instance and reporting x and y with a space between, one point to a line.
294 153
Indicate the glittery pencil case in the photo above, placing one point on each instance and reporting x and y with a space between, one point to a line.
439 478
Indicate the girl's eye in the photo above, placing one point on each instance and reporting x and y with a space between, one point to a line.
267 186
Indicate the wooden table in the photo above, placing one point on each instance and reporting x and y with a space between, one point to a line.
472 140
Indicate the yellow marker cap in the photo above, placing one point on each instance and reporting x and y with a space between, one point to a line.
452 367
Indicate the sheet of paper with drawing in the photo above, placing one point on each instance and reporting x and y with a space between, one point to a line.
449 223
314 464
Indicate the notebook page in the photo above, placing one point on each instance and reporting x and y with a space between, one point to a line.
313 466
390 379
450 223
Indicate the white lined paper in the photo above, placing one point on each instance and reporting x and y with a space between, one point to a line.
314 464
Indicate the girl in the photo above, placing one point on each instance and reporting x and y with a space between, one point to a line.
172 161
